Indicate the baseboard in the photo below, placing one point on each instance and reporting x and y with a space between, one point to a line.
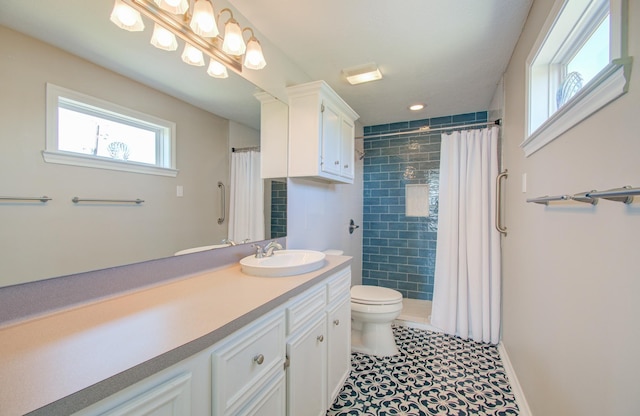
513 381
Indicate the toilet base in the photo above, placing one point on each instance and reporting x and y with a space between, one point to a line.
373 339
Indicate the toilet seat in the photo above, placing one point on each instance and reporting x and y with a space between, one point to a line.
375 309
375 295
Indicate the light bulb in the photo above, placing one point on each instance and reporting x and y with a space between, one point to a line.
125 17
203 21
217 70
254 59
173 6
233 43
163 39
192 56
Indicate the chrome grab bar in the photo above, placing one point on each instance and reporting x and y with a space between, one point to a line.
501 228
26 198
224 203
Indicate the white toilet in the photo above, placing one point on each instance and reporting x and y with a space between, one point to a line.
373 309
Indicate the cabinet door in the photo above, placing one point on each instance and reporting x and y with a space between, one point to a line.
347 133
306 375
331 144
339 346
271 401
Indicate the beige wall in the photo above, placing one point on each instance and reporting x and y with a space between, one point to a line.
571 281
42 240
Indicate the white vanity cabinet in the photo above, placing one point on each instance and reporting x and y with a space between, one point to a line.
318 346
321 134
242 375
293 360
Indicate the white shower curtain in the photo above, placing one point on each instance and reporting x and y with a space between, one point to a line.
246 208
466 295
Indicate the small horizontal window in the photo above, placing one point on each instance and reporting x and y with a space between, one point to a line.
86 131
577 66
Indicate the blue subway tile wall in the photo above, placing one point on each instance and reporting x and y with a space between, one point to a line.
399 251
278 209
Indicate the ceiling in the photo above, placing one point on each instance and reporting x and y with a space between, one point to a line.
447 55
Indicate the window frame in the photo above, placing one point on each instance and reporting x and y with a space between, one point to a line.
609 84
57 97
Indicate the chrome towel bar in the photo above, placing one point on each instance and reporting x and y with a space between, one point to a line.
546 199
26 198
76 199
624 195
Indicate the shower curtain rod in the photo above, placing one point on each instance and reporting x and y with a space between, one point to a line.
426 129
244 149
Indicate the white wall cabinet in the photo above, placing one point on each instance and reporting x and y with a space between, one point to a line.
274 127
321 134
247 374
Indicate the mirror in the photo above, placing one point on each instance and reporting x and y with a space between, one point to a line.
92 56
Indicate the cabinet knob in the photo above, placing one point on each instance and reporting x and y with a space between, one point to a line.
346 166
336 322
337 162
320 338
258 359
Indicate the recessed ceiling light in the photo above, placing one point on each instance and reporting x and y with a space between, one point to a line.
363 73
416 107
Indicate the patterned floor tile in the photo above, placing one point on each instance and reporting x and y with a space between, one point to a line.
434 374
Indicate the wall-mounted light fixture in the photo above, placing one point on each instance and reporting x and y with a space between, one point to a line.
363 73
198 29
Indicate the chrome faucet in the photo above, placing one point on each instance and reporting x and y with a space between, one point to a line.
268 250
271 247
227 241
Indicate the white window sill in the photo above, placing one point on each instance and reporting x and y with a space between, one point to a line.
608 85
73 159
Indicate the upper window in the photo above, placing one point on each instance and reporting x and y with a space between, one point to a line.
574 68
85 131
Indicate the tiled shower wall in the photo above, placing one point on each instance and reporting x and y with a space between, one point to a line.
278 209
399 252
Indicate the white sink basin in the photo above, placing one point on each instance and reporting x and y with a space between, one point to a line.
283 263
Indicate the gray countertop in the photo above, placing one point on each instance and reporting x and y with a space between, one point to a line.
64 361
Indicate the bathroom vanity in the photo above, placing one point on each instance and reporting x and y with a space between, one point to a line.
219 342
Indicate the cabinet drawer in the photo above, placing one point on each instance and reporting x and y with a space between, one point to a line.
171 398
242 360
304 307
339 285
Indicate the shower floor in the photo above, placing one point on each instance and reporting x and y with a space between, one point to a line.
416 313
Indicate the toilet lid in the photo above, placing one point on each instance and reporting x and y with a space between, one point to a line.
375 295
